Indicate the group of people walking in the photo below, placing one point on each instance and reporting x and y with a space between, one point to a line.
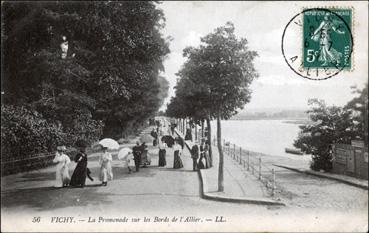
177 152
163 144
139 155
81 171
199 155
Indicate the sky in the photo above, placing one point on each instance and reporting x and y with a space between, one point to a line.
262 24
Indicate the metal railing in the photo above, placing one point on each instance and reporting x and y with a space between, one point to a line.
248 160
252 163
25 164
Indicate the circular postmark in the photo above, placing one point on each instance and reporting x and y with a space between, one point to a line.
317 43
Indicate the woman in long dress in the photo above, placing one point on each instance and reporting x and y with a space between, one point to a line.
154 134
80 172
204 155
106 172
62 171
177 155
201 164
162 152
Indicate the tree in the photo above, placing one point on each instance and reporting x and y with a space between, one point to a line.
190 102
358 107
217 76
332 124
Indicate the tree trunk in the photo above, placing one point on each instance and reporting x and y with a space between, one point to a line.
366 123
195 131
209 141
202 129
221 159
179 124
185 127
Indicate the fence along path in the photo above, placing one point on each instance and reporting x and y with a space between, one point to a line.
251 162
26 163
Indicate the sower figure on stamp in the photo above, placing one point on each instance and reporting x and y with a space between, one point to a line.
328 54
137 155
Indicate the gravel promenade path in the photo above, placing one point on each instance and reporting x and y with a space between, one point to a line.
163 199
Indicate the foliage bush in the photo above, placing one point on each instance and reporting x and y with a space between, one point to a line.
25 133
332 124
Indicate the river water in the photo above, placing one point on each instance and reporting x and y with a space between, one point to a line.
265 136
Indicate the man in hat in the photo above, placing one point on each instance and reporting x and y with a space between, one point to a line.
154 134
137 151
195 155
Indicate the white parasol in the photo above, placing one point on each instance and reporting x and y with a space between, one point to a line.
109 143
123 153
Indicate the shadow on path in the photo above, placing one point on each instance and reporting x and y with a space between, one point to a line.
50 198
34 191
37 176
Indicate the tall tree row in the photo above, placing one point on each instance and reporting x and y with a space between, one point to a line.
214 81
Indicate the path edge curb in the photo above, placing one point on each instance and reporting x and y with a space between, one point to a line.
365 187
209 196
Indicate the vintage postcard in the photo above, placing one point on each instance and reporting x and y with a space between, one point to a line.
184 116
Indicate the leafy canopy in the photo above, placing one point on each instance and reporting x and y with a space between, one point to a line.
215 79
114 75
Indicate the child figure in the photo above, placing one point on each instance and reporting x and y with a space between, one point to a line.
106 172
127 160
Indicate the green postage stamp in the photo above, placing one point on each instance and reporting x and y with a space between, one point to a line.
318 43
327 39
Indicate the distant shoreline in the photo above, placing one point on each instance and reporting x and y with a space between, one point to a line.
299 121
